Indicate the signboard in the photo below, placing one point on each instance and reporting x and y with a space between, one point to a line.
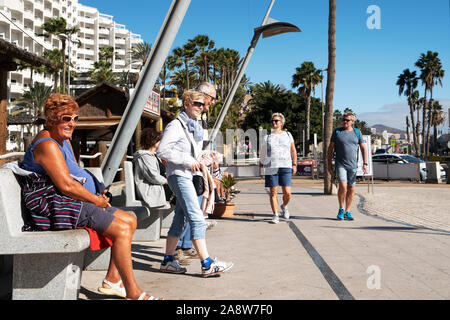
305 167
152 105
360 172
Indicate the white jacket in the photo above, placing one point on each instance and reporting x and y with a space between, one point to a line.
175 148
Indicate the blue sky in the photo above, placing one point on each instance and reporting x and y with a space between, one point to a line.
368 61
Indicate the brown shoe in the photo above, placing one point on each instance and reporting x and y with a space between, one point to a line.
190 254
182 259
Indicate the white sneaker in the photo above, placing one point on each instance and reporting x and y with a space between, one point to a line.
210 224
172 267
216 267
285 211
275 219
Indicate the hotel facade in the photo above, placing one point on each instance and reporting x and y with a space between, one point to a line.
20 22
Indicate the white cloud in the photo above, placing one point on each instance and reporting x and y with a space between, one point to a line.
394 115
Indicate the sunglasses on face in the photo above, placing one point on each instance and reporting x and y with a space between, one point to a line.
67 118
275 121
347 120
198 104
211 97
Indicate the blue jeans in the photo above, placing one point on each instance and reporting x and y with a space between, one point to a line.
187 209
185 239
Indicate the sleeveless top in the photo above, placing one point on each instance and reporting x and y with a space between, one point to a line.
29 164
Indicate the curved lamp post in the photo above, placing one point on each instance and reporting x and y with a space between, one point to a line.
269 27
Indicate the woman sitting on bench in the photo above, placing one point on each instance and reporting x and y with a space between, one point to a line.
71 204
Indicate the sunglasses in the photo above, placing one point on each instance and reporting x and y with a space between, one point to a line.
210 96
66 118
347 120
276 120
198 104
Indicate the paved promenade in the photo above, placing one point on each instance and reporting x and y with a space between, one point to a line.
314 256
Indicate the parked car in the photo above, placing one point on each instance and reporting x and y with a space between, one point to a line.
412 159
397 158
406 158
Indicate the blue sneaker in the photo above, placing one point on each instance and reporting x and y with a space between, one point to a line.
348 216
341 213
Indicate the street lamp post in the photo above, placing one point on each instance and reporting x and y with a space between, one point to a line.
147 79
268 28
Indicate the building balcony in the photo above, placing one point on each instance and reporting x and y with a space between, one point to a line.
104 42
87 31
16 88
28 14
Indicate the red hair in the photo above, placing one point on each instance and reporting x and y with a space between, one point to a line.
57 105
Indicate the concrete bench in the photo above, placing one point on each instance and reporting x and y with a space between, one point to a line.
44 264
165 214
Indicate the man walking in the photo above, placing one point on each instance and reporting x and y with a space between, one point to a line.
346 142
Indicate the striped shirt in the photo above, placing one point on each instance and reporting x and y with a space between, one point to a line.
48 208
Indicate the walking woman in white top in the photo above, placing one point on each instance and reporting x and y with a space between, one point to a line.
180 146
279 159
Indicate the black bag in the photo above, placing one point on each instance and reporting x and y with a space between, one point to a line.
199 184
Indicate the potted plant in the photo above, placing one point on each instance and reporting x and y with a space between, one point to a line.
225 209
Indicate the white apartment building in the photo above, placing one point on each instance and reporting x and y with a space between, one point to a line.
20 21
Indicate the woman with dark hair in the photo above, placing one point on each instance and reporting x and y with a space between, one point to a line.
149 172
70 196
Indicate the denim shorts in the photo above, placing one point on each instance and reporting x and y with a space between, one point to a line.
282 177
187 208
346 175
95 218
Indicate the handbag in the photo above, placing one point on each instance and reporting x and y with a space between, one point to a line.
199 184
197 180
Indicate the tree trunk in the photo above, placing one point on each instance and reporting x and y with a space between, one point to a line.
413 126
424 116
308 112
206 67
63 49
430 119
327 187
186 63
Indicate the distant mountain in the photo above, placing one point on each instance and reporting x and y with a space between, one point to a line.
380 128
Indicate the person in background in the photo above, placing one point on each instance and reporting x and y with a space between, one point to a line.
279 159
346 142
148 170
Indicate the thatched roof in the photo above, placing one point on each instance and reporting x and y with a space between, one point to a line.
14 52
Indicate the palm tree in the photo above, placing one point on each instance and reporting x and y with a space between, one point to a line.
102 72
58 27
106 54
55 56
431 74
204 46
306 78
140 53
407 83
329 91
163 76
34 99
437 119
180 79
183 55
